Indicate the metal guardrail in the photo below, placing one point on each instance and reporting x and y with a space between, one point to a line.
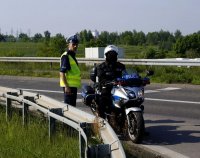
69 115
163 62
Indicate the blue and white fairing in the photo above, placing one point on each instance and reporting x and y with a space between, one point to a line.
122 94
119 95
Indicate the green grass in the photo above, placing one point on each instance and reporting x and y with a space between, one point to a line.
37 69
20 49
32 141
27 49
170 74
131 52
29 69
163 74
173 74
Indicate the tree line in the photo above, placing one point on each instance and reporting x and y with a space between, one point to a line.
184 46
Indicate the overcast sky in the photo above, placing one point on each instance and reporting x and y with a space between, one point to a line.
70 16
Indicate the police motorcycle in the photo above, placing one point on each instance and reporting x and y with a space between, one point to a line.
126 115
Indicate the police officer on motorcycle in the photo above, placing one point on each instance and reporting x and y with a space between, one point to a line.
108 71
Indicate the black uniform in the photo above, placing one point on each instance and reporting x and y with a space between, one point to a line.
109 71
106 72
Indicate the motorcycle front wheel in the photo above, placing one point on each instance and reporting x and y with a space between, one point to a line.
136 126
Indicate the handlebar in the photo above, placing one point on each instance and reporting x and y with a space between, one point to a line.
129 82
133 79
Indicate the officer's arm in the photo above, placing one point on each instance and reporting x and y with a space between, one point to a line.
63 78
100 73
63 69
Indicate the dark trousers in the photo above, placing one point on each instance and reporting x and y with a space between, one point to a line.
70 99
105 102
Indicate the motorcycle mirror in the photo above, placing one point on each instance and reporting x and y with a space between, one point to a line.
150 72
146 81
93 74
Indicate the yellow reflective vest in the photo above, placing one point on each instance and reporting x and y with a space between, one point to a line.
73 76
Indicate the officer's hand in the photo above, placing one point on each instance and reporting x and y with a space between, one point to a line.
67 90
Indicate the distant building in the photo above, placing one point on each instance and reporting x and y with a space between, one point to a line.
98 52
95 34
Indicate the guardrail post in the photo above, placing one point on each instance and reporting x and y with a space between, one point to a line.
9 105
26 109
52 121
51 65
81 146
99 151
86 128
8 109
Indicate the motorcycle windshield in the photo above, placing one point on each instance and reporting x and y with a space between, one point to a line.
130 79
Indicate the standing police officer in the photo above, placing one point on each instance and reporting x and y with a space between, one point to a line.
70 76
107 71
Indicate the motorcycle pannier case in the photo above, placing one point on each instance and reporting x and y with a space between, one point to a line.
88 94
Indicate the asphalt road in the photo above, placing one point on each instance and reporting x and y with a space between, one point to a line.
172 113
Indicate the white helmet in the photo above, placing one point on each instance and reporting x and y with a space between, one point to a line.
110 48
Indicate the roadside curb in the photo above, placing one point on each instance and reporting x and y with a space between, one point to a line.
139 151
150 151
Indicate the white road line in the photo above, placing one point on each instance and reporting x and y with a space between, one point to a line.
79 100
38 90
174 101
168 89
163 89
147 91
151 91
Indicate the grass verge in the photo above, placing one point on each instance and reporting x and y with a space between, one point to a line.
163 74
33 141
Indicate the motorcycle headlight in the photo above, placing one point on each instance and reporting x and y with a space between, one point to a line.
118 101
141 93
131 94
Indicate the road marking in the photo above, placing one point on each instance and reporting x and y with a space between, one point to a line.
151 91
174 101
168 89
38 90
163 89
79 100
147 91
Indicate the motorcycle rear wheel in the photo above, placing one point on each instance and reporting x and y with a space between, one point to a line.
136 127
